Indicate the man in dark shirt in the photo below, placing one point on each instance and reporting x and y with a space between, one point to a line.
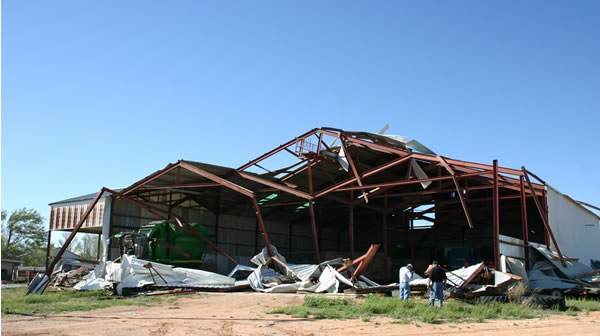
437 284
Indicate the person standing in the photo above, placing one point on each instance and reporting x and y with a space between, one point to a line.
406 274
437 284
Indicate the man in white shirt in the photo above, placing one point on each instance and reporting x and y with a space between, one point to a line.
406 274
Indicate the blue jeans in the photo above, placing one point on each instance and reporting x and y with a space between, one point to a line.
404 290
437 289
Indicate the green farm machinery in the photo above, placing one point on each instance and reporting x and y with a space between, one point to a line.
164 243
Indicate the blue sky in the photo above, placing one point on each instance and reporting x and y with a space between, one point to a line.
102 93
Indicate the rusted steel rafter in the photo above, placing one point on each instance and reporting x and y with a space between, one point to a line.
431 158
458 189
353 167
181 186
216 179
275 185
299 169
544 216
508 182
278 149
150 178
588 205
350 203
496 216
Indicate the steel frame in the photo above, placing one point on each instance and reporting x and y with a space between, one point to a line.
488 176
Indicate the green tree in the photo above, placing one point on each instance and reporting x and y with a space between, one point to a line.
87 247
23 236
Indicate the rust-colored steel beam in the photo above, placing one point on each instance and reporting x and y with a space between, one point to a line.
262 226
313 226
311 209
62 250
299 169
170 247
150 178
544 216
458 189
496 216
503 179
181 186
588 205
377 147
426 157
363 264
216 179
524 223
272 184
353 168
276 150
350 203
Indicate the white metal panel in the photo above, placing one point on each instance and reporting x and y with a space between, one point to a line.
511 250
577 230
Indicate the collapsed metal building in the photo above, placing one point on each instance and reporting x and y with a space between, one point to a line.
331 192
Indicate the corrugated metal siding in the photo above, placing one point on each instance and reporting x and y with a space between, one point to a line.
66 216
511 250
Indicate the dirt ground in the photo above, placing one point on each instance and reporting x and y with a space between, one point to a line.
245 314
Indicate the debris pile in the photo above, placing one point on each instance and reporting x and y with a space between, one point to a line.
273 274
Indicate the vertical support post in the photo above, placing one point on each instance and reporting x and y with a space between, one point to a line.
313 225
262 226
48 248
311 209
217 229
113 203
496 215
98 248
385 238
351 230
524 222
290 240
545 207
256 250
